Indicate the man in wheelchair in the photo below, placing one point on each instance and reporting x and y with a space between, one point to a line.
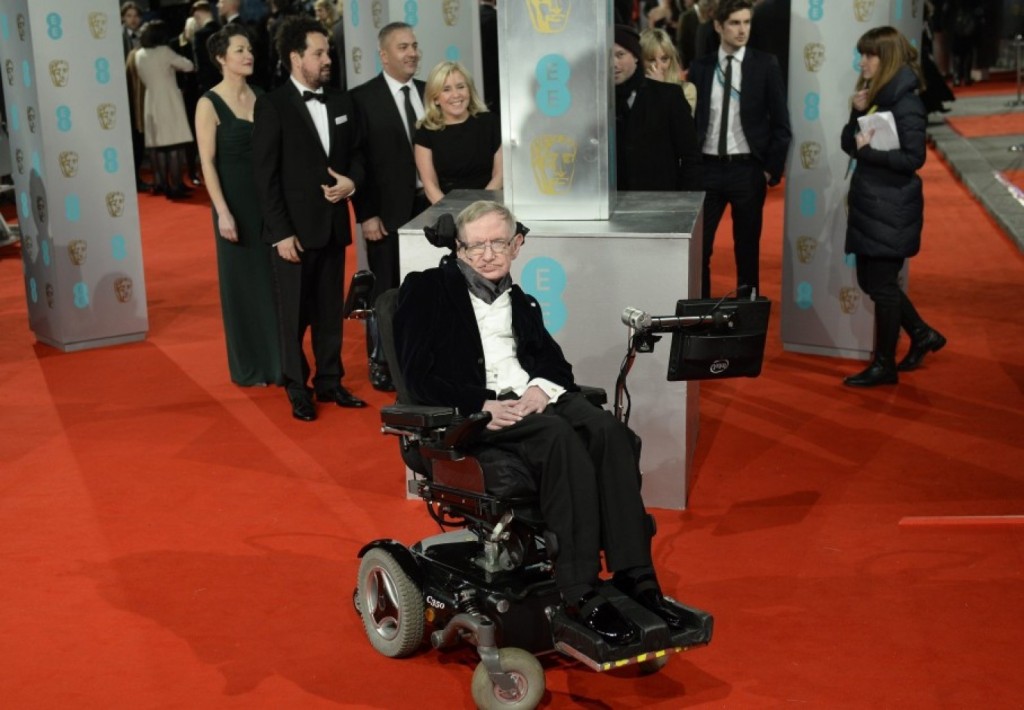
467 337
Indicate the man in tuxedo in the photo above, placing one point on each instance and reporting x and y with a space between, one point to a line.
388 107
307 165
655 141
467 337
207 72
743 128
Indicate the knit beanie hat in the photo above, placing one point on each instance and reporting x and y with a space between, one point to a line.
629 39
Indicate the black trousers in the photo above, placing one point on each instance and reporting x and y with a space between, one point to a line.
309 295
742 186
589 486
879 278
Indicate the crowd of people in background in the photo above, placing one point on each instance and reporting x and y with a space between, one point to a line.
202 75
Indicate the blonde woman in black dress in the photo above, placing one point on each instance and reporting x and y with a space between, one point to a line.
458 143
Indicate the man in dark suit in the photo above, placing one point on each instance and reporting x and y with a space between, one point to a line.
770 31
307 165
655 141
388 107
466 337
131 20
207 72
743 128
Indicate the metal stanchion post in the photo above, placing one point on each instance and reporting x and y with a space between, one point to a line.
1018 45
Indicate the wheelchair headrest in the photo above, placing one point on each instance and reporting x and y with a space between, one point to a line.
445 235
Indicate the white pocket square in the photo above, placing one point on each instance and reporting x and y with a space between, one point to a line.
338 120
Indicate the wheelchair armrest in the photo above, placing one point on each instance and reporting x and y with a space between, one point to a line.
465 432
417 416
595 395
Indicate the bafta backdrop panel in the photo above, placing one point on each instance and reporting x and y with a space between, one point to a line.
556 111
67 103
823 310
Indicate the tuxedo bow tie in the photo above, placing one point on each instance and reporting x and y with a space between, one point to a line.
313 96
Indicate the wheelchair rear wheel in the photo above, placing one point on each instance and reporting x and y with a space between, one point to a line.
526 673
390 604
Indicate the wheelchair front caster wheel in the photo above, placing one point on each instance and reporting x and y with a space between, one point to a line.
526 673
390 605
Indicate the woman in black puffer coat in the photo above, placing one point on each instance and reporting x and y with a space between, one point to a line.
886 202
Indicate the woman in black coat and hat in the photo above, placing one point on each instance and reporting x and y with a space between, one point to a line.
886 202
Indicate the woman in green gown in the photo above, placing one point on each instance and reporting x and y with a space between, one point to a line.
224 118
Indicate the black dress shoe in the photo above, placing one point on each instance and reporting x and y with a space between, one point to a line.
380 377
341 397
878 372
195 179
645 591
930 341
302 405
600 616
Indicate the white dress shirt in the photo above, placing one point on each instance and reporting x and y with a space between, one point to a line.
736 142
318 112
504 373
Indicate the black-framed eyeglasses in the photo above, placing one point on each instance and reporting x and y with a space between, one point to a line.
498 246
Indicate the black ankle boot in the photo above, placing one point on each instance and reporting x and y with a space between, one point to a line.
880 372
921 343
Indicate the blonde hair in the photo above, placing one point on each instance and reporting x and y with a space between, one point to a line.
653 41
893 52
332 12
433 118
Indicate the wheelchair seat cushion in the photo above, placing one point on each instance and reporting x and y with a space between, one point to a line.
506 475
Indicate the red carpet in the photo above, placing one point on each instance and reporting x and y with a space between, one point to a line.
1002 124
168 540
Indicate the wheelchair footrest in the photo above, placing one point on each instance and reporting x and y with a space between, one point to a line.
656 639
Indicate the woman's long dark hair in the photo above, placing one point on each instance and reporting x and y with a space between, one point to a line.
893 51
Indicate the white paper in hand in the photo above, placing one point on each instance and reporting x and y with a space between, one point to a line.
885 137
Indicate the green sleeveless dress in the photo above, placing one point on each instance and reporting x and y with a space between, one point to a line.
243 267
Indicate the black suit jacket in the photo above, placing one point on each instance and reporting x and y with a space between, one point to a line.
659 149
763 111
291 165
391 169
440 353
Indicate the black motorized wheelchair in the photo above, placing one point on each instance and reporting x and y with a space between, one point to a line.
487 577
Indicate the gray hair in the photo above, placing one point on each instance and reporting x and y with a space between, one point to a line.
481 208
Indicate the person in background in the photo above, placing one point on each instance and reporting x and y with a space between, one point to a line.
327 15
886 202
744 131
166 123
388 107
769 31
207 71
131 21
489 55
458 142
661 63
655 140
224 121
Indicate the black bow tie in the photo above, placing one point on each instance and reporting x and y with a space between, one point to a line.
313 96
